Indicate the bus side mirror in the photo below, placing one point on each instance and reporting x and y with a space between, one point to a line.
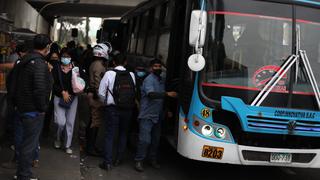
198 26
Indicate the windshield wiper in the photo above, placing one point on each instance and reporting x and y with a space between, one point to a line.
274 80
310 74
282 71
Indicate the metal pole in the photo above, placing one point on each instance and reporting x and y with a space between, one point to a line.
60 29
87 30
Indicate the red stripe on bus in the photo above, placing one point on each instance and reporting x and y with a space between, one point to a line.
251 88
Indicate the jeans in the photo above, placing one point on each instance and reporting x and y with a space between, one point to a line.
18 133
116 119
31 131
149 135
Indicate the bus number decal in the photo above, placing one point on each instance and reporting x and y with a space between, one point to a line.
212 152
205 113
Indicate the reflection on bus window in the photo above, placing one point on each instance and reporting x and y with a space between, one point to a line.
241 44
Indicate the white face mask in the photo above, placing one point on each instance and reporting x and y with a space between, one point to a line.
65 60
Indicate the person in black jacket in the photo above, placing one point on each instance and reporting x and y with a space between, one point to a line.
33 92
53 60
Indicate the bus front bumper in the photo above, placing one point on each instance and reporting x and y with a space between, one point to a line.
191 146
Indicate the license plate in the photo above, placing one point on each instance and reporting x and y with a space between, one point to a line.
280 157
212 152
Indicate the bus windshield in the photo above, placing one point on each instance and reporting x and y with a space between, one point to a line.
246 47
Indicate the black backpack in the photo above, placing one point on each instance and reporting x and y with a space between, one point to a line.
12 82
124 91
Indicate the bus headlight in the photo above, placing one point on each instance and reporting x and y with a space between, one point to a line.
220 132
207 130
210 130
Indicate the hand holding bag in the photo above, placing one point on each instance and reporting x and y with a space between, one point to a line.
78 84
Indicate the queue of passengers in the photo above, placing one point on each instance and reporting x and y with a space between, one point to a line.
45 82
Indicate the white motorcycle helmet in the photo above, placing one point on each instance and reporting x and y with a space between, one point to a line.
102 50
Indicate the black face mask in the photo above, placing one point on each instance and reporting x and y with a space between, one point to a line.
157 71
53 61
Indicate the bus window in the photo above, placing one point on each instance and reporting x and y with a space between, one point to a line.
308 26
151 43
134 34
246 47
142 32
157 17
165 20
162 46
152 34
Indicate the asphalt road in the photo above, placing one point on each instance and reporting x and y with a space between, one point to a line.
176 167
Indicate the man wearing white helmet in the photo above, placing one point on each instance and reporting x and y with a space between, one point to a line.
96 72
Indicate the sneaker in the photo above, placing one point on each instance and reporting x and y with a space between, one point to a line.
57 144
15 177
106 167
68 151
139 166
35 163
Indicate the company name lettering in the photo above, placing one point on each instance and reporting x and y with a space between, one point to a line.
295 114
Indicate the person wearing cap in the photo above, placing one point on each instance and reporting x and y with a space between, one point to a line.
150 116
96 72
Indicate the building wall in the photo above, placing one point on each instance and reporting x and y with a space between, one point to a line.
25 16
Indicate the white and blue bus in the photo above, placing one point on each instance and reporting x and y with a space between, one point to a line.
253 98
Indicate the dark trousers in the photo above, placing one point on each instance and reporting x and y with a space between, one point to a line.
31 131
149 138
18 135
116 120
48 117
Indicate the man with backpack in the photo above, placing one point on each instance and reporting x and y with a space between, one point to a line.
117 90
21 50
13 125
32 98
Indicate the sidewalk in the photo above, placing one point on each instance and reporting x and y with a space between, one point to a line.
54 164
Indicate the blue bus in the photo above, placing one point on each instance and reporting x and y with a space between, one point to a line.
246 72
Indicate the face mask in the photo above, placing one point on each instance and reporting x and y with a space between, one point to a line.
157 71
65 60
53 61
141 73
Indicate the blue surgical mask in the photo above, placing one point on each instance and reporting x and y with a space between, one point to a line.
65 60
141 73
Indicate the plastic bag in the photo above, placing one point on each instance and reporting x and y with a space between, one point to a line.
78 84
